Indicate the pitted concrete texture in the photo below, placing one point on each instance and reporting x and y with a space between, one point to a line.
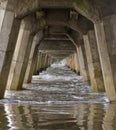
82 30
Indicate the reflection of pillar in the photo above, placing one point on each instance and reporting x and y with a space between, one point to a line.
14 116
29 116
19 55
83 62
110 117
106 41
9 28
93 61
3 118
95 118
81 113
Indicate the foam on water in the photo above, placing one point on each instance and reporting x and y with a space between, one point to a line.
57 99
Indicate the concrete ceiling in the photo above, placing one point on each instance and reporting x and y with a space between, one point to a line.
62 21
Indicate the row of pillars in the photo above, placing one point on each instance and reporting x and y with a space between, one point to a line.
96 57
18 51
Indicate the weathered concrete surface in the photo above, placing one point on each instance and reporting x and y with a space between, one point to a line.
93 62
61 21
77 66
33 64
71 62
9 27
93 10
36 40
19 54
83 62
106 37
57 48
42 62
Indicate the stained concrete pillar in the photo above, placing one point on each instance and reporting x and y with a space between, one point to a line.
70 61
40 62
73 62
106 40
77 66
83 62
43 61
33 64
93 61
36 40
46 61
9 28
20 57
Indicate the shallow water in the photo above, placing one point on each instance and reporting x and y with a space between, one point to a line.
57 99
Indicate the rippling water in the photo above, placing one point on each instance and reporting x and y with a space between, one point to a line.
57 99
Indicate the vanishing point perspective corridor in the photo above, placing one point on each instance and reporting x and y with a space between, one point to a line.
57 64
57 99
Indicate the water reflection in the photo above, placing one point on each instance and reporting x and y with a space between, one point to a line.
67 117
57 99
110 117
58 117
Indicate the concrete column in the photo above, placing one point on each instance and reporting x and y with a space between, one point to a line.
46 61
83 62
9 28
38 63
22 46
42 61
76 59
36 39
33 64
106 41
71 62
93 61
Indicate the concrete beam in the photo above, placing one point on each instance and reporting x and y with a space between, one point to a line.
26 7
79 24
95 10
56 45
59 53
55 37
